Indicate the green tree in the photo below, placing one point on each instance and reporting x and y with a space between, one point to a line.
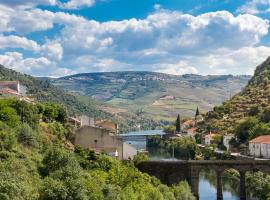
26 135
178 124
9 116
243 129
7 138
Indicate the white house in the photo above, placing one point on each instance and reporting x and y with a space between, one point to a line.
260 146
208 139
226 140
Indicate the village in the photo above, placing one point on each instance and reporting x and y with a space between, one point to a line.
103 135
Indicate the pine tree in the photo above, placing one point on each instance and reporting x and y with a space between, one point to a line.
197 112
178 124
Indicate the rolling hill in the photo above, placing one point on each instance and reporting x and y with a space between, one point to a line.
154 95
44 91
247 112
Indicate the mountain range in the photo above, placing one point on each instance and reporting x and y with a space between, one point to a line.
154 95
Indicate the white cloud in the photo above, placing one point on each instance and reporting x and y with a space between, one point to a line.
165 41
178 68
226 61
40 66
76 4
13 41
52 50
255 7
27 3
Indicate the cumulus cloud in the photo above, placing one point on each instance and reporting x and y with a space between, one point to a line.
13 41
255 7
40 66
27 3
177 68
52 50
164 41
76 4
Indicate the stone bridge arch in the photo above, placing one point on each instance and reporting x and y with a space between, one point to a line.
171 172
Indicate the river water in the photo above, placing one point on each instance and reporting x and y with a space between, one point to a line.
207 184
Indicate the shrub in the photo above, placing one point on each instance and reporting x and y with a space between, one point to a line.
26 135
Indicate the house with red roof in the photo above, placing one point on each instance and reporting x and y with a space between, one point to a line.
260 147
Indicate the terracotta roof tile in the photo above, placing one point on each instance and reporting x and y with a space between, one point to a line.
265 139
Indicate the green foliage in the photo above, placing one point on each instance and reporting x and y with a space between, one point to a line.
265 116
209 153
183 147
182 192
169 129
140 157
26 135
17 181
7 138
259 184
59 130
48 171
242 130
9 115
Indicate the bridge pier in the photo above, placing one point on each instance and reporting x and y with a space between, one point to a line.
242 191
194 182
219 186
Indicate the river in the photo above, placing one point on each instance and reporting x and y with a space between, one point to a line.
207 184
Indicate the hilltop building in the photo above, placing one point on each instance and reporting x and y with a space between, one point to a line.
260 147
14 89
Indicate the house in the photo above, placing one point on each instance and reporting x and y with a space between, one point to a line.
167 97
81 121
260 147
226 140
102 140
192 132
209 138
188 124
109 125
14 89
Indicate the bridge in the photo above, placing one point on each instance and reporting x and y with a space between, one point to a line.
172 172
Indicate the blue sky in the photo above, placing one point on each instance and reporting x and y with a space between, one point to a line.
57 38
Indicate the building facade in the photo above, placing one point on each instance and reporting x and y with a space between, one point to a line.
226 140
260 147
102 140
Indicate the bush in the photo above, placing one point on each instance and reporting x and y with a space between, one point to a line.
26 135
7 138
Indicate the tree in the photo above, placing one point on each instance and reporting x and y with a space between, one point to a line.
178 124
26 135
242 131
197 112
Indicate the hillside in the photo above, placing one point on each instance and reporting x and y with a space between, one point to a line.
246 114
38 162
44 91
155 95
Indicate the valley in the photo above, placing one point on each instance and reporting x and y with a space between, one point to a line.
153 95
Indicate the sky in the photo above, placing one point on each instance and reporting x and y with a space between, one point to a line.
63 37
